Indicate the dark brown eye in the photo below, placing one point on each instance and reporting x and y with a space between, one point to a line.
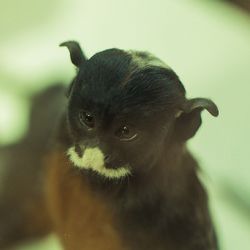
126 134
86 119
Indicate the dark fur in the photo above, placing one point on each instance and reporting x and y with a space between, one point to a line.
163 204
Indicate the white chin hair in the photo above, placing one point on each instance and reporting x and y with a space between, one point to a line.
93 159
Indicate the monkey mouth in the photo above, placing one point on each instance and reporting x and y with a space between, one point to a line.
108 166
93 158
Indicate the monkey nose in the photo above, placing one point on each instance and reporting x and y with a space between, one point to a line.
107 158
79 149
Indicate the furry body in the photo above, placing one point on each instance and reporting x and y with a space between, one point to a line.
118 175
159 203
153 212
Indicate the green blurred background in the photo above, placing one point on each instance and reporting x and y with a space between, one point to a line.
206 42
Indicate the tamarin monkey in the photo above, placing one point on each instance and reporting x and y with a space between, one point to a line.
119 175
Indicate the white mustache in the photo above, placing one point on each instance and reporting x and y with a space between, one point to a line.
93 159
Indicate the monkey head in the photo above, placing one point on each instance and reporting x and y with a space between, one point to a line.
124 108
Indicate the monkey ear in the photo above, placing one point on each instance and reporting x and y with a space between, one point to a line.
76 54
188 120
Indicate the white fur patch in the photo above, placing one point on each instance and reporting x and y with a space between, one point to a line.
93 159
147 59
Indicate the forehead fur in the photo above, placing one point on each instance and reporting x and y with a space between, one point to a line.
118 81
142 59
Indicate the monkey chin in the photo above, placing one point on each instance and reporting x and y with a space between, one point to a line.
93 159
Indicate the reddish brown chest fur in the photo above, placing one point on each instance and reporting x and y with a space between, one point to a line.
81 218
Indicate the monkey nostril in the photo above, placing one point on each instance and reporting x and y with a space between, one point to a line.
79 150
107 158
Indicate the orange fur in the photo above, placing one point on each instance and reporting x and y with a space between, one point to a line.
81 218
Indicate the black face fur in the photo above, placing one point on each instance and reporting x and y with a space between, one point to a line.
130 106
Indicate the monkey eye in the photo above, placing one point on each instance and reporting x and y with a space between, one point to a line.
124 133
86 119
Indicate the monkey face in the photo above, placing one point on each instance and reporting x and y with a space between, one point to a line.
123 108
117 148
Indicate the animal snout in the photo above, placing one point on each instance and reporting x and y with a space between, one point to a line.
107 158
79 149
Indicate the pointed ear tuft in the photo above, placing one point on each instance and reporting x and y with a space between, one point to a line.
76 54
201 103
188 120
